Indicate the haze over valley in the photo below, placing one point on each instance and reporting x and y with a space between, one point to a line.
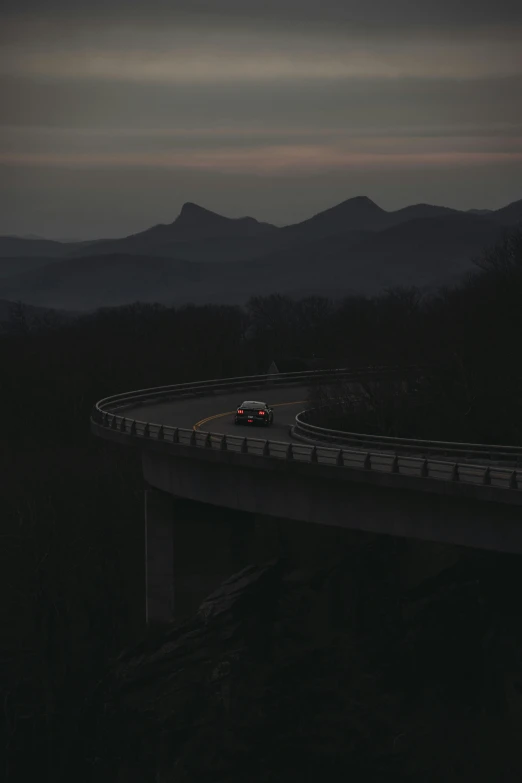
355 247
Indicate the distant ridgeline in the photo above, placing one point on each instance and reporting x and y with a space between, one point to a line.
355 247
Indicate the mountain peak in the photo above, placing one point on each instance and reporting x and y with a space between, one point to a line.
360 200
195 223
360 204
357 213
189 209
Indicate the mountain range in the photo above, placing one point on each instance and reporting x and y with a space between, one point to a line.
353 247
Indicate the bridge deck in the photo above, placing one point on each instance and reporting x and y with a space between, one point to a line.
215 413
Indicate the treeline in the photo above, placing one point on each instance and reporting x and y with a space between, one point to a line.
471 335
71 512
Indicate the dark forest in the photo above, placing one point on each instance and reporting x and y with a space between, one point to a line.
72 554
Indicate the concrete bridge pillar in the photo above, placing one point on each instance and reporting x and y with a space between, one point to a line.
159 557
190 549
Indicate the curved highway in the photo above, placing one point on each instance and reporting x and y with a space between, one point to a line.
216 413
179 412
172 428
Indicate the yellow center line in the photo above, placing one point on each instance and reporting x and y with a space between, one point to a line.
231 413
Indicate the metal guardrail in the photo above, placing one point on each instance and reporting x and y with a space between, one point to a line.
165 393
338 457
377 460
305 431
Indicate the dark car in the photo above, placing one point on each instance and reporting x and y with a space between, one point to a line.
254 412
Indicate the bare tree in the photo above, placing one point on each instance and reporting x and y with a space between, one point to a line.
18 321
504 259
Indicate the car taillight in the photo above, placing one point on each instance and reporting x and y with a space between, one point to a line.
241 411
261 413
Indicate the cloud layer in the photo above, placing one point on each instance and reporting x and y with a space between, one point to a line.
292 90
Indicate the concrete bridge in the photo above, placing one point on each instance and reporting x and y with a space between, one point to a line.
190 448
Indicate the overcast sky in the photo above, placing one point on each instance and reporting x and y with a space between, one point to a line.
116 112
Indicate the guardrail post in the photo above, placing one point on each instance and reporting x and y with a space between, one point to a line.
223 444
208 441
111 418
244 446
289 451
266 448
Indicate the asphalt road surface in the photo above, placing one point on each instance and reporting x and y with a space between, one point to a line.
216 413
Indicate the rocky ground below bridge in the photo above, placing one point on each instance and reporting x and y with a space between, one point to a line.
385 664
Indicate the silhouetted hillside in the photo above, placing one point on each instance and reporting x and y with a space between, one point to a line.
427 252
432 246
17 265
419 212
362 213
354 247
198 234
356 213
194 223
19 246
33 247
296 255
106 280
509 215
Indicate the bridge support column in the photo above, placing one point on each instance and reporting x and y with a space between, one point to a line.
190 549
159 557
210 544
